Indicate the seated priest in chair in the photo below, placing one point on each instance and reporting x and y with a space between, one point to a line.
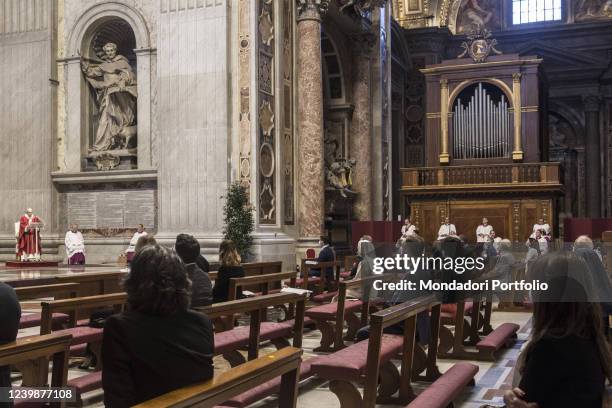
29 247
75 246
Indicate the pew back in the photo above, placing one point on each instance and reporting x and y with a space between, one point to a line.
263 283
31 355
284 362
117 300
57 291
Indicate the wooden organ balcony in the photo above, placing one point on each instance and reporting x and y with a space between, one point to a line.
485 178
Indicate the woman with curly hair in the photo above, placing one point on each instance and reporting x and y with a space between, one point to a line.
159 344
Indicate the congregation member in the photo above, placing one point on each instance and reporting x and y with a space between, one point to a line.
202 263
10 314
446 229
366 252
495 239
542 241
355 265
567 360
327 254
131 250
502 267
144 241
188 249
230 268
159 344
75 246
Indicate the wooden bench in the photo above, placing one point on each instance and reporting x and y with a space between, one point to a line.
265 284
369 362
284 363
57 291
31 357
228 342
452 343
330 317
254 269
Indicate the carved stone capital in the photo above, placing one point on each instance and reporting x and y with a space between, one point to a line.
591 103
311 9
444 83
516 77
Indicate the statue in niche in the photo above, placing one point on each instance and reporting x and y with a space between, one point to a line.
115 85
475 15
588 9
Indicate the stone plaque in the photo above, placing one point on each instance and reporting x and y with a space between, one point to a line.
111 209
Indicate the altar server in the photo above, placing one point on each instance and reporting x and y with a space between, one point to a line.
446 229
140 232
75 246
483 232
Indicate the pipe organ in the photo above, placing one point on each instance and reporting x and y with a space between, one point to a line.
486 147
481 125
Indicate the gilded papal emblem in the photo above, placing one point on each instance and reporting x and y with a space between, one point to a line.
479 46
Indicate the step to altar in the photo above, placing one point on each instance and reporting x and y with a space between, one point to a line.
39 264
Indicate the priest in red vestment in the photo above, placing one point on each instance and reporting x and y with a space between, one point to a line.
29 236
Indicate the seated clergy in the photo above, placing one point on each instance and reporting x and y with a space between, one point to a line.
131 249
326 254
75 246
541 226
230 268
408 228
446 229
188 248
158 344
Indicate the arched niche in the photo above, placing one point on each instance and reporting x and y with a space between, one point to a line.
102 23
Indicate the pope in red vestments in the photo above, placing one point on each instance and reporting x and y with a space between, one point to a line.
29 238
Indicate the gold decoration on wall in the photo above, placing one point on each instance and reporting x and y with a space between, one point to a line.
266 27
266 118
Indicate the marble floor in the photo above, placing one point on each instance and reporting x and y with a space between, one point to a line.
491 380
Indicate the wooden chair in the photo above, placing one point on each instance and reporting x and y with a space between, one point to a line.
320 282
284 363
31 356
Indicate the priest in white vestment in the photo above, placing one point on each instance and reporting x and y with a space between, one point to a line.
446 230
483 232
130 251
541 225
75 246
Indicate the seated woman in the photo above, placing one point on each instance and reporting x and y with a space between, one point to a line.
230 268
159 344
567 361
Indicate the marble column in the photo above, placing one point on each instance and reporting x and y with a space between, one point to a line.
311 190
593 160
361 126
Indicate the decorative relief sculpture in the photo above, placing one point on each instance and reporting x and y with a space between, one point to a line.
591 9
479 46
115 85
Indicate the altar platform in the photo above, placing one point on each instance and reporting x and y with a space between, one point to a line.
30 265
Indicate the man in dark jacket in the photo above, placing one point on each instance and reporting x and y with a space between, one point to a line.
326 254
10 314
188 248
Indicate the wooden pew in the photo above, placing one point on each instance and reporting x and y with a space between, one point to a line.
31 356
254 269
284 363
452 343
57 291
228 342
369 362
330 317
264 283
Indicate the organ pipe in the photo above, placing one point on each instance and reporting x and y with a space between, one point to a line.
481 128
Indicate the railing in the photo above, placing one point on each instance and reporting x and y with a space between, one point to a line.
490 174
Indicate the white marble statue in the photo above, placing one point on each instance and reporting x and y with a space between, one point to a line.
115 85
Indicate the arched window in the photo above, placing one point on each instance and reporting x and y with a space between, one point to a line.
334 88
481 123
532 11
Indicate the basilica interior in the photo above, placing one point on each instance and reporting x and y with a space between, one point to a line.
367 126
